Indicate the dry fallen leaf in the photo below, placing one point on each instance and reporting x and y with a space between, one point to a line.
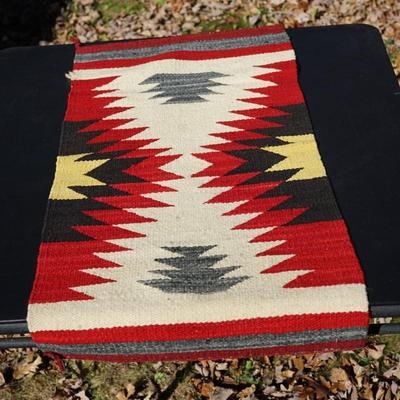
298 363
287 373
376 351
76 384
130 389
127 393
326 356
325 382
395 371
247 392
202 369
354 394
25 367
86 2
380 393
228 380
277 2
366 392
2 380
279 378
221 393
338 374
321 390
207 389
121 395
211 367
221 366
394 387
266 360
82 395
340 379
269 390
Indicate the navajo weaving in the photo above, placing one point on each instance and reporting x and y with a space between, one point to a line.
190 214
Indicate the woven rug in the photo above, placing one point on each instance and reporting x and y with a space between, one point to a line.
191 215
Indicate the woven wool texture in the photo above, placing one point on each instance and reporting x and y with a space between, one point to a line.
190 215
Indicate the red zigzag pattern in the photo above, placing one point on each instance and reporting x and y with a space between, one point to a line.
84 104
312 245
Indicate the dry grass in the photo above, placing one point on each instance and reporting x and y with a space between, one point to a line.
369 373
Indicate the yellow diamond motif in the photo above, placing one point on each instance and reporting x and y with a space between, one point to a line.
301 152
72 172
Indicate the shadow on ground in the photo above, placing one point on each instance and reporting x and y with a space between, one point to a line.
27 22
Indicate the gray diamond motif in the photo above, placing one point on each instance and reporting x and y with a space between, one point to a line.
193 272
183 88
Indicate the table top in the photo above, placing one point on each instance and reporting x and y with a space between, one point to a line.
354 104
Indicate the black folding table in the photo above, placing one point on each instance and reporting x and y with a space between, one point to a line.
354 103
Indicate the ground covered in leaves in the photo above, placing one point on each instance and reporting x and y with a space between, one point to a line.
92 20
371 373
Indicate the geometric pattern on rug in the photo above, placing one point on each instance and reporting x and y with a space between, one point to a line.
183 88
190 214
192 272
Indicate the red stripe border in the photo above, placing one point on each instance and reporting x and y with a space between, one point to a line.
187 331
184 55
154 42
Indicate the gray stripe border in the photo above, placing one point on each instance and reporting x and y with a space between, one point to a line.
225 343
203 45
